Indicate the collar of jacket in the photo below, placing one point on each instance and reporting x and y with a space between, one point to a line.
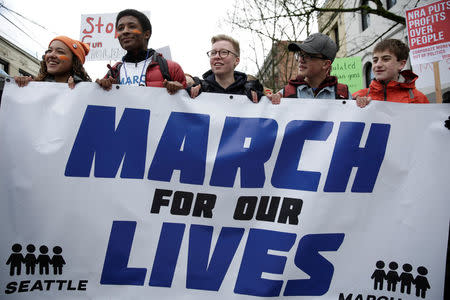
408 82
239 80
328 81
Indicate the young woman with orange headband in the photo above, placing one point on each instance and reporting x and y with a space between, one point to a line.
62 62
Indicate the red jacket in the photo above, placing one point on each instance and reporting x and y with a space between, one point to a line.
395 91
153 75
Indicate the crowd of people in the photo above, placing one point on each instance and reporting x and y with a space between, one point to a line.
143 66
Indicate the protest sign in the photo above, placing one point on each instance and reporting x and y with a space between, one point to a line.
428 30
134 193
348 70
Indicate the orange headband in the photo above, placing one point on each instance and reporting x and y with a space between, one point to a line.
79 49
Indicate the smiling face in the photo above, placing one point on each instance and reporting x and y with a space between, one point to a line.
312 65
385 66
223 65
131 35
58 59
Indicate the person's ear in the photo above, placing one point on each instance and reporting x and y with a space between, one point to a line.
147 34
236 62
327 64
402 64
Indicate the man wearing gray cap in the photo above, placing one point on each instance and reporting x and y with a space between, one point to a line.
314 56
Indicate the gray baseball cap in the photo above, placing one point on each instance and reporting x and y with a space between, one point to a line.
316 43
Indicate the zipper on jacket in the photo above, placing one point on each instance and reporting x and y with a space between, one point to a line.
385 91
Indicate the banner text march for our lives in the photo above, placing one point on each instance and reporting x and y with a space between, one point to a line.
139 192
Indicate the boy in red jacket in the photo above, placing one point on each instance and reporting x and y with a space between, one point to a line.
390 82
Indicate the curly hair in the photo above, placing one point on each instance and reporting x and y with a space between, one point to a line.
77 69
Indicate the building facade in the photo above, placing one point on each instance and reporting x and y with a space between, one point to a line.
15 61
356 35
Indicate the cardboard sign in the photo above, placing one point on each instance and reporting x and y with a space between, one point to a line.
428 30
348 70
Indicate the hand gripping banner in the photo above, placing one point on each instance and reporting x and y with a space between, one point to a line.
137 194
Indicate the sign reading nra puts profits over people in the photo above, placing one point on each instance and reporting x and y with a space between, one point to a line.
429 32
136 194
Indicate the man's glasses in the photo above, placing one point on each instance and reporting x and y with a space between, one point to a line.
306 57
222 53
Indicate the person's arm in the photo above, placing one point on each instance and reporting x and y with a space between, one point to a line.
109 79
178 78
254 90
419 97
22 80
276 98
363 101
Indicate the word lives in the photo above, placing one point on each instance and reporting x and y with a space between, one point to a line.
206 272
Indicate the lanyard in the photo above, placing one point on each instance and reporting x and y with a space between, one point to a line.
142 72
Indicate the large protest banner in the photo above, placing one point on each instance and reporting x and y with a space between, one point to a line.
136 194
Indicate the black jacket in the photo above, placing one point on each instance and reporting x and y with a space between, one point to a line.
240 86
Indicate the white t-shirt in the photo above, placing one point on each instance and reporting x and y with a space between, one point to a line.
133 73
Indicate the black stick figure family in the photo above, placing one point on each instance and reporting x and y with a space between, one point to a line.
16 259
406 279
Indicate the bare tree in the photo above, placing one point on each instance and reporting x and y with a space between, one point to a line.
270 22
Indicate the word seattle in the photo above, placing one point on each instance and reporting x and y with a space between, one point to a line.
183 146
205 272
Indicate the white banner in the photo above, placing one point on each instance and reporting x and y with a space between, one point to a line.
136 194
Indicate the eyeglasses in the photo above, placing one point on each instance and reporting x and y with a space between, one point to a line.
222 53
306 57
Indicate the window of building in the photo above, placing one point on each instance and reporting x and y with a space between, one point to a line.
24 73
390 3
368 74
365 17
4 65
336 35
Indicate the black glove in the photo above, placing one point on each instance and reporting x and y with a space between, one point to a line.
447 123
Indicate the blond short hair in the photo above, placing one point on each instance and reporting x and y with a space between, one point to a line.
224 37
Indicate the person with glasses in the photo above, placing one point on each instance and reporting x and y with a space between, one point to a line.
314 56
222 77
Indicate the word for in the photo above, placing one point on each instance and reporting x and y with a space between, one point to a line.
182 203
368 297
45 285
205 272
183 146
